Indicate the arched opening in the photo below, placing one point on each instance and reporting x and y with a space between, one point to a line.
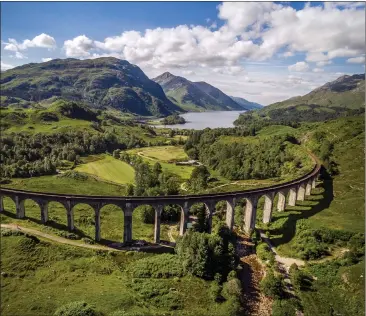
84 221
111 225
223 215
143 220
9 211
199 217
32 210
170 223
239 214
57 216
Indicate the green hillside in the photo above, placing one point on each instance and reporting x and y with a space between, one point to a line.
342 97
99 83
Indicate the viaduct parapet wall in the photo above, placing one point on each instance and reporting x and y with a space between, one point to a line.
288 192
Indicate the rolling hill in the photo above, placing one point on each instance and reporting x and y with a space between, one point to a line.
345 92
195 96
100 83
344 96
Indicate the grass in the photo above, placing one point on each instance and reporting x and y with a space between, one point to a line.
109 169
38 277
164 154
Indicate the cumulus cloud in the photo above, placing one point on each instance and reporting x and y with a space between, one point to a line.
356 60
251 31
79 46
43 41
318 70
46 59
19 55
300 66
5 66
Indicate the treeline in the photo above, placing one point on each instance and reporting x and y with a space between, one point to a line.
149 181
240 161
23 155
173 119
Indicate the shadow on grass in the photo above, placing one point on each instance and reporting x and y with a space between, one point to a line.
50 223
317 204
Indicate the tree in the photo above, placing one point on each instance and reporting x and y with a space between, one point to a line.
199 178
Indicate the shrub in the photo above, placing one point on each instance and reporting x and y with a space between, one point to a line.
231 289
285 307
265 254
272 285
76 309
161 266
215 291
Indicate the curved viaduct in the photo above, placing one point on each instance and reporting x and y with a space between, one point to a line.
295 190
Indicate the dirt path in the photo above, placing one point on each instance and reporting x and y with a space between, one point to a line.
171 238
141 154
53 238
287 262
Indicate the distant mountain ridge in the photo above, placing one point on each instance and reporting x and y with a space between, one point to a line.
344 96
196 96
100 83
247 104
345 92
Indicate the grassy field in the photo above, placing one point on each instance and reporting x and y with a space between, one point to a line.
38 277
108 168
163 154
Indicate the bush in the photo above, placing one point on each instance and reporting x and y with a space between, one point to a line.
215 291
231 289
265 254
76 309
285 307
272 285
161 266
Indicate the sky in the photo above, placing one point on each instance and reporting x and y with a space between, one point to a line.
262 51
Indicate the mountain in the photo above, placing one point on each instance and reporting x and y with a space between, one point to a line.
100 83
195 96
247 104
345 92
344 96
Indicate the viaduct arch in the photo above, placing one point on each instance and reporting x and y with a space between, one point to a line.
297 190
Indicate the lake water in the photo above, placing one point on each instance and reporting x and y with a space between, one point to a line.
201 120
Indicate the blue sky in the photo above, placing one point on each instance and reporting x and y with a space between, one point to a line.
264 52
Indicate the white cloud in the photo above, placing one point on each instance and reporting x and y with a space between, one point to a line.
252 31
356 60
188 72
323 63
46 59
79 46
288 54
6 66
42 41
300 66
318 70
19 55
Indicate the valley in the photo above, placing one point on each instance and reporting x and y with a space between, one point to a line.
170 224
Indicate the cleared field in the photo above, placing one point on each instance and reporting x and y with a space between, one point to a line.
163 154
108 168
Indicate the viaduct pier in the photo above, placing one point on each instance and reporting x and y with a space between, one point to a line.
288 192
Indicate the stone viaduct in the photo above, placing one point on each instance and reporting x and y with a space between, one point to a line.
288 192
